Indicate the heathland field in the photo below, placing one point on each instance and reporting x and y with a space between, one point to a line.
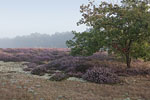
53 74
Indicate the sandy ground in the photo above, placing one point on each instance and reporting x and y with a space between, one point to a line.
15 84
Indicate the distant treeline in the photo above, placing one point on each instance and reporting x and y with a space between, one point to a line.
37 40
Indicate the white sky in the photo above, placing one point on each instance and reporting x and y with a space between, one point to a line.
22 17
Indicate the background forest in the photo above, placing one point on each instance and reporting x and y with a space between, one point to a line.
37 40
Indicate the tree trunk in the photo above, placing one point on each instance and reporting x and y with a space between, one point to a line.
128 60
127 54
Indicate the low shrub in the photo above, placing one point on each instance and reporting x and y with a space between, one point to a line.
75 74
137 71
31 65
59 77
101 75
70 63
27 69
131 71
40 70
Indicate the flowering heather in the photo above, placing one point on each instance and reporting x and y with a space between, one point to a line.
98 68
40 70
70 63
75 74
32 55
132 71
30 66
101 75
58 77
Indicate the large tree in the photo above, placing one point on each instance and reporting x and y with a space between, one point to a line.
121 28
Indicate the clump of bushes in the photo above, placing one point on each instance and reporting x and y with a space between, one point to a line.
98 68
101 75
40 70
59 77
69 64
88 68
131 71
75 74
30 66
137 71
27 69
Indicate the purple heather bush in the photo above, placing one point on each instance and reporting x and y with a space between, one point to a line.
42 61
31 65
70 63
101 75
32 55
40 70
58 77
136 71
75 74
102 56
27 69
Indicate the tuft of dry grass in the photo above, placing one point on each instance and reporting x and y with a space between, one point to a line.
15 86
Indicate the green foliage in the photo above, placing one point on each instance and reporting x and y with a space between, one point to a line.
83 43
121 29
141 50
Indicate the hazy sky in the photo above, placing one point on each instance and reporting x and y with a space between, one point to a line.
22 17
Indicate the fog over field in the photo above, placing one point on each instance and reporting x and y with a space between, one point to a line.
37 40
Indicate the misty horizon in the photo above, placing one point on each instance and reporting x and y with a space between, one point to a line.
24 35
37 40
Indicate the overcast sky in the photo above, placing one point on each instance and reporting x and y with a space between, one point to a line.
22 17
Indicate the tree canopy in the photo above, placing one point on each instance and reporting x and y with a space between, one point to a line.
120 28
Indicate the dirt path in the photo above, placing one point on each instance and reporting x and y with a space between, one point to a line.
15 84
